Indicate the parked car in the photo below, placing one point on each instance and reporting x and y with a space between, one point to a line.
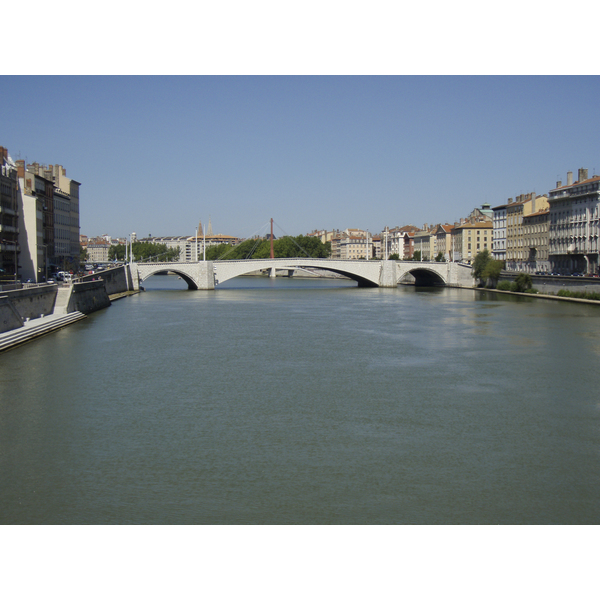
577 275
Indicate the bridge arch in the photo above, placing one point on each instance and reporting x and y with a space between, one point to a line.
225 274
424 276
190 282
365 273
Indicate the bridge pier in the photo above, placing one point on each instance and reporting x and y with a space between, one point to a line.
206 275
387 277
272 273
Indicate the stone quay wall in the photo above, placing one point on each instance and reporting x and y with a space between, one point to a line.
87 297
32 302
117 280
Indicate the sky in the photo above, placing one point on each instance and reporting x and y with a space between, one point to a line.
157 154
319 115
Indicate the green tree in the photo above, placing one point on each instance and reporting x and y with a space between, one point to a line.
285 247
480 263
83 254
523 282
394 256
439 257
492 271
145 251
417 255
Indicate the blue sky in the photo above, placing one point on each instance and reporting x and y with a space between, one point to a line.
157 154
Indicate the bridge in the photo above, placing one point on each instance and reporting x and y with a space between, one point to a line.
205 275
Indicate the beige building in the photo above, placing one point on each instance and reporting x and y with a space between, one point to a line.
353 244
36 231
97 250
443 241
424 242
517 253
535 237
469 239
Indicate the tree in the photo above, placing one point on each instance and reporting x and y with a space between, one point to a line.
394 256
479 263
417 255
492 271
523 282
439 257
285 247
144 251
83 254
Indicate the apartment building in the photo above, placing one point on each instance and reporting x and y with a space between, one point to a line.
535 239
469 239
9 218
397 241
499 232
443 241
352 244
574 225
49 235
424 242
517 254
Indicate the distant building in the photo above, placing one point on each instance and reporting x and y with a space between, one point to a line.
443 241
352 244
191 248
399 240
97 250
469 239
575 224
423 242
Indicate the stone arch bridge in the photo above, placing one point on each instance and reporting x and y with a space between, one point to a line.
206 275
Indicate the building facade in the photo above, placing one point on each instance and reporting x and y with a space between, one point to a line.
443 242
535 238
469 239
574 225
517 254
9 218
499 233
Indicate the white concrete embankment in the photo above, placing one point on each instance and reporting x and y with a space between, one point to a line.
34 328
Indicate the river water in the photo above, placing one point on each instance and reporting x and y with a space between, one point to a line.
306 402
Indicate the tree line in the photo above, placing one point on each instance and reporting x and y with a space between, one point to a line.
285 247
145 251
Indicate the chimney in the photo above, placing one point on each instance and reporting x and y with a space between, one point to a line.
559 184
570 178
20 168
582 175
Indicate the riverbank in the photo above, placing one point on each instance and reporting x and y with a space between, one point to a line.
35 328
541 296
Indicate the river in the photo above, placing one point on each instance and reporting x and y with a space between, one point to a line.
306 401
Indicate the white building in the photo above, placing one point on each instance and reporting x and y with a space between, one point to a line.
575 224
499 233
